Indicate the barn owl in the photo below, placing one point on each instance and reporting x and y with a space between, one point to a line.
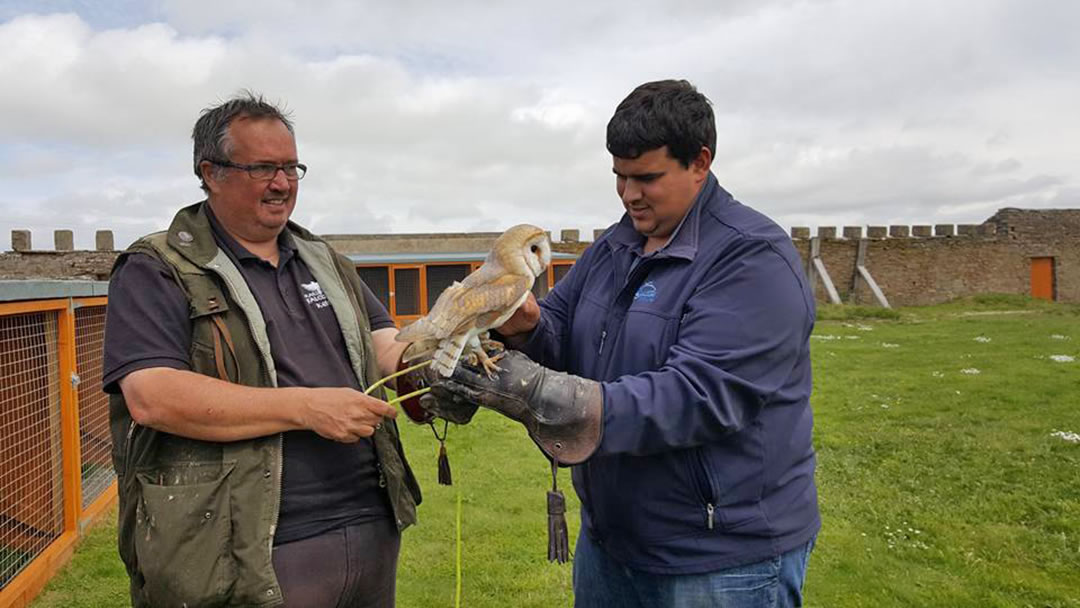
483 300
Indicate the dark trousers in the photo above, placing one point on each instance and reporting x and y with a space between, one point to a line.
351 567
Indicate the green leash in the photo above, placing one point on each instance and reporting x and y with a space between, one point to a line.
398 400
457 526
457 593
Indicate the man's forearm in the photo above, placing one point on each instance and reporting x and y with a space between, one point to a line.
200 407
388 351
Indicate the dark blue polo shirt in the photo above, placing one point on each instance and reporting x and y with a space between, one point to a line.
325 484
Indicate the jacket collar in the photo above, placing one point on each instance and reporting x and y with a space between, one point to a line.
233 248
192 233
684 242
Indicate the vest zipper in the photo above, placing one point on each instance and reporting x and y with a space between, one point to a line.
127 448
603 334
710 509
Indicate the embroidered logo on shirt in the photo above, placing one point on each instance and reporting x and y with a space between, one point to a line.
646 293
313 295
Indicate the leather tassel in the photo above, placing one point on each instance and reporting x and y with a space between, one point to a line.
444 462
558 536
444 466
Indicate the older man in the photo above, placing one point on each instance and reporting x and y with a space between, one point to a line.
681 340
252 468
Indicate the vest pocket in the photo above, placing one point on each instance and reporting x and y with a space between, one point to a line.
183 533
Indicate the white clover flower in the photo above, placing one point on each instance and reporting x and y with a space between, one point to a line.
1067 436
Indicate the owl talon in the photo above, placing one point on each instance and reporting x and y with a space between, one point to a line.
488 363
491 346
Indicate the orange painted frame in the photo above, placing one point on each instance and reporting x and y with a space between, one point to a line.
422 267
423 276
551 273
421 288
392 285
19 591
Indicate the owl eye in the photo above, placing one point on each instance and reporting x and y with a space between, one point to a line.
534 249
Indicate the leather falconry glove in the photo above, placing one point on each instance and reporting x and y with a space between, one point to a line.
419 413
420 409
562 413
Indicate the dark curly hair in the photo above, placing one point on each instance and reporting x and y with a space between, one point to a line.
668 113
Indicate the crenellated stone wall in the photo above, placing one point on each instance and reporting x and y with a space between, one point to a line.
924 264
63 261
442 242
913 265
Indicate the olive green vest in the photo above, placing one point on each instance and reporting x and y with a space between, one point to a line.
197 518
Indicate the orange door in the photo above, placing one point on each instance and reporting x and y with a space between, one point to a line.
1042 278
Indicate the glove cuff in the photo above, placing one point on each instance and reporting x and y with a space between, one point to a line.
408 383
569 418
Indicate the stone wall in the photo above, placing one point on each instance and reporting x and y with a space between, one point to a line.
1047 233
57 264
916 265
915 271
913 265
440 242
60 262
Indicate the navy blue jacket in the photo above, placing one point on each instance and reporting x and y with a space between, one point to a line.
703 351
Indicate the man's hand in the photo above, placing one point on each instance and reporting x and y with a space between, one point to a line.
343 414
523 320
562 413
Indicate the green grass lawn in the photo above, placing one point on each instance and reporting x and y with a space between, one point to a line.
941 480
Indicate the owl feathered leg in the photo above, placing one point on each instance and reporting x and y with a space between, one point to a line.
492 346
446 356
478 356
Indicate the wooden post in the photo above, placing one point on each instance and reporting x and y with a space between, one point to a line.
819 269
69 420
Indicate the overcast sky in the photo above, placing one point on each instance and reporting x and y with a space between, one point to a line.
424 116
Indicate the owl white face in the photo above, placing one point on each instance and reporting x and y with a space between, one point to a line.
537 254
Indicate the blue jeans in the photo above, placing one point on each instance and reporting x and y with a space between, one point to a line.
601 582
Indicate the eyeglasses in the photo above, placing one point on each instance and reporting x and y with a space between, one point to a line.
266 171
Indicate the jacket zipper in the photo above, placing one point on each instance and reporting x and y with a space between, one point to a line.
700 476
641 271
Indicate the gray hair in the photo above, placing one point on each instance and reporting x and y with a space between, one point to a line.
211 132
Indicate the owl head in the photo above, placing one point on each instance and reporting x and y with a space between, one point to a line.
523 248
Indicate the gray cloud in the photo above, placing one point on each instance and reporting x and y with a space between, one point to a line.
433 117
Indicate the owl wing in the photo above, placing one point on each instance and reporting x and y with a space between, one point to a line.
463 305
478 305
